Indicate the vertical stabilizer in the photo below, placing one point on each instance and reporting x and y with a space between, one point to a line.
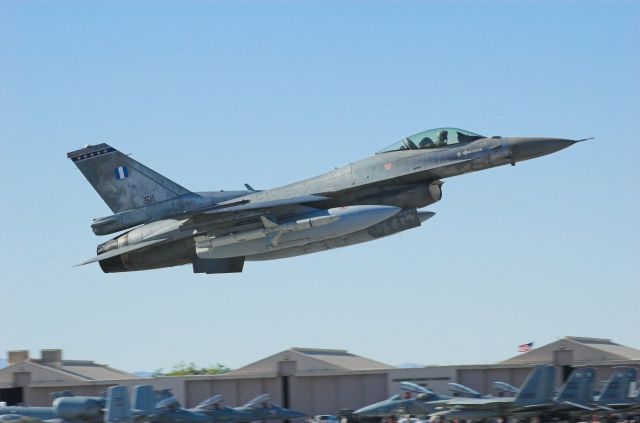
578 388
537 387
144 398
118 405
617 388
122 182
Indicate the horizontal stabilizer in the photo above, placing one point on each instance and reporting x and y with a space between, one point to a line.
123 250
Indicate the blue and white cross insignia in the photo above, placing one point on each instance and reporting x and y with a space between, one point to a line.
121 172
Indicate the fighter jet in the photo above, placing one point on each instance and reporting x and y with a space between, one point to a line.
422 403
534 399
535 394
216 232
261 408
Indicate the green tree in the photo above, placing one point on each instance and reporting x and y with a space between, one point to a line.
184 369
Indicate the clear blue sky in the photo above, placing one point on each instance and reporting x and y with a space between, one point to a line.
216 94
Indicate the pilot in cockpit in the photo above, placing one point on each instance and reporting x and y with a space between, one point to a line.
442 138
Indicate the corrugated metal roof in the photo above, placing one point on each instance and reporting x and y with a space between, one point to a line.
85 369
593 349
606 345
342 359
97 372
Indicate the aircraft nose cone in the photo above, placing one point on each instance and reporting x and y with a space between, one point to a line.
364 411
529 148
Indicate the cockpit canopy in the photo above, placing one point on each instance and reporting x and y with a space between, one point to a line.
433 138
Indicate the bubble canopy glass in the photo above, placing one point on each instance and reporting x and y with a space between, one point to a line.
433 138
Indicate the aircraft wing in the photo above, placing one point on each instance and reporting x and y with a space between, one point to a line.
578 405
127 249
235 206
234 212
476 402
223 215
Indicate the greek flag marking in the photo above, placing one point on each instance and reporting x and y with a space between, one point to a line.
121 172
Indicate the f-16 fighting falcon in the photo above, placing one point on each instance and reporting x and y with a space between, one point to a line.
216 232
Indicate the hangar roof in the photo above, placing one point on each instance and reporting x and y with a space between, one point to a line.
312 360
583 349
52 368
93 371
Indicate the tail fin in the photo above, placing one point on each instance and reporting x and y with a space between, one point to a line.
537 387
617 388
144 398
122 182
578 388
118 405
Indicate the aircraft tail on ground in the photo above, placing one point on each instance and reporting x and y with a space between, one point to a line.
122 182
616 390
537 387
578 388
118 405
144 398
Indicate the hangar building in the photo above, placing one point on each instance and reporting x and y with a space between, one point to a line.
314 381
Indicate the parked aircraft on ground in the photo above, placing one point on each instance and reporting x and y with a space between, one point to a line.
535 398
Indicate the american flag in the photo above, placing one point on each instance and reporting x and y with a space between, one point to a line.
525 347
